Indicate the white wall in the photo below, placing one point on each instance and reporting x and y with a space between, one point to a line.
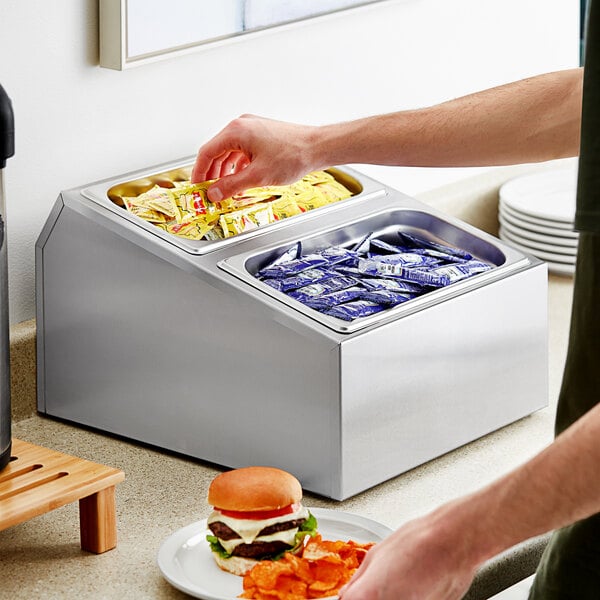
77 123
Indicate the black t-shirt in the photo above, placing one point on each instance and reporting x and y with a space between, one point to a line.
587 216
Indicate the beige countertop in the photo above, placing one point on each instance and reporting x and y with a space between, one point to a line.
163 492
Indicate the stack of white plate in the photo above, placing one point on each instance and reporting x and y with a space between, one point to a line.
536 215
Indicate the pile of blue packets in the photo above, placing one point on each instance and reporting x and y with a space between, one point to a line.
374 275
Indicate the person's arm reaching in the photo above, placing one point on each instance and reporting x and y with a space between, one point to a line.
530 120
435 556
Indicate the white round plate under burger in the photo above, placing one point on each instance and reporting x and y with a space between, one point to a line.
185 559
512 237
547 194
554 231
515 214
545 256
570 242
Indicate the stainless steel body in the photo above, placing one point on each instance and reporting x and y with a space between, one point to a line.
145 339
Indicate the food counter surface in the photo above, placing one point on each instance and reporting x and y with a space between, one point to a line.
162 493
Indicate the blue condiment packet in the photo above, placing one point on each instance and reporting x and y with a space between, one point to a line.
458 271
381 247
395 285
305 278
326 286
291 253
293 267
387 297
327 301
362 247
415 241
407 259
354 310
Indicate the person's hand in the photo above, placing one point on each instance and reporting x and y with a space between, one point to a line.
253 151
422 560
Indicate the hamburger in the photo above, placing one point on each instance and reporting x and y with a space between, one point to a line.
257 515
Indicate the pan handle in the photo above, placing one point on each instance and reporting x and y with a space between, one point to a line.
7 128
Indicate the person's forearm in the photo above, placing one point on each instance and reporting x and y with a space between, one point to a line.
526 121
557 487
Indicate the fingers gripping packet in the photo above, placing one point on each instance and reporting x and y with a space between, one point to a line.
192 198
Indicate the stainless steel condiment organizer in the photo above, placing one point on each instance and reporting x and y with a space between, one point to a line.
179 345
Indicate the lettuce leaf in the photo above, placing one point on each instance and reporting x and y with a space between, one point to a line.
309 526
216 547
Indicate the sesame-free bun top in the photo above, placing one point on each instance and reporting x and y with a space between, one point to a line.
254 488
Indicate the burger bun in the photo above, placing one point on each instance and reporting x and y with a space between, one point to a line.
237 565
254 489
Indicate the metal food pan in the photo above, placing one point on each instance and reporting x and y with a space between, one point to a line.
110 195
384 225
167 179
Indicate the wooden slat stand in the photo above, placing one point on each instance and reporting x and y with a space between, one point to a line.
38 480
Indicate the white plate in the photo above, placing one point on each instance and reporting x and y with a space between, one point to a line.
553 231
185 560
558 237
538 237
512 237
547 194
511 212
561 259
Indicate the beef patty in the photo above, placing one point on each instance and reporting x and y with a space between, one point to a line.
256 549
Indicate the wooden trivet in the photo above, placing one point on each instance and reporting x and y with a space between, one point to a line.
38 480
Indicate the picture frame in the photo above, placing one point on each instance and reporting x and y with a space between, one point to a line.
137 32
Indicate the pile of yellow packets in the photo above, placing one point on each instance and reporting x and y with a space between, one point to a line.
186 211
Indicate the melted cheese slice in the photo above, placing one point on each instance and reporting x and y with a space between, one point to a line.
288 536
248 529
